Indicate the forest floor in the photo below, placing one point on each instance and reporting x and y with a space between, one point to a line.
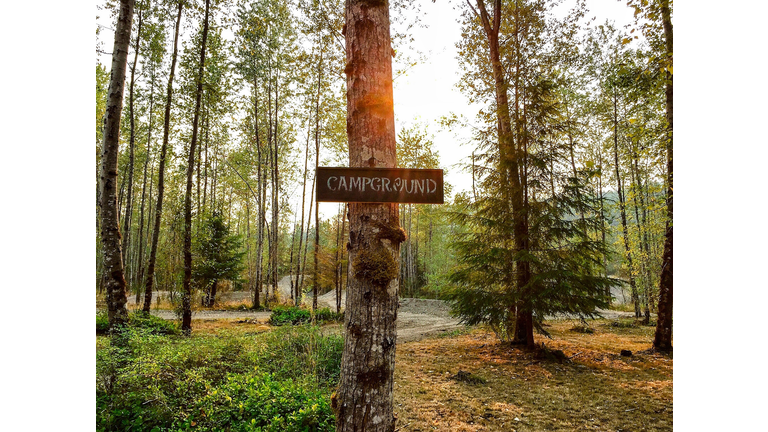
472 382
450 377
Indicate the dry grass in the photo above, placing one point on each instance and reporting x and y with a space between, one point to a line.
228 326
595 389
231 301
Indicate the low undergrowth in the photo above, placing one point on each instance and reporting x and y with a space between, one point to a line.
275 381
140 320
282 315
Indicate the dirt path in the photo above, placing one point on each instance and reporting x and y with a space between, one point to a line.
416 318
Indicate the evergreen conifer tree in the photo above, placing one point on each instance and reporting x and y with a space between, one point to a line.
220 257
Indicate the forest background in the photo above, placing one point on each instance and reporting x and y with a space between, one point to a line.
47 260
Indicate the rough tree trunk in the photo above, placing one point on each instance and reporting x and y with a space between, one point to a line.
186 300
161 169
110 225
663 338
364 400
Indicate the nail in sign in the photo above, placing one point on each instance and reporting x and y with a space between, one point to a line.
417 186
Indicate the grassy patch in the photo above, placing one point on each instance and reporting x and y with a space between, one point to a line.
292 315
139 320
217 380
576 381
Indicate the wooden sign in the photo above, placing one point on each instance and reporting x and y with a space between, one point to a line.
419 186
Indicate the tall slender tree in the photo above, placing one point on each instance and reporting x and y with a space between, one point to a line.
663 338
131 144
315 278
161 169
110 225
186 318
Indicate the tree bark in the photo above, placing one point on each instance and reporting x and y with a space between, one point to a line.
186 300
663 339
364 400
161 169
110 224
131 147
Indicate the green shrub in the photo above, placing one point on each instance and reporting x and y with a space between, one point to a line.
282 315
260 403
293 315
102 323
277 381
155 325
326 315
139 320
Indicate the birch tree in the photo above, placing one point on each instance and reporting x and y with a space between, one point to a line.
110 229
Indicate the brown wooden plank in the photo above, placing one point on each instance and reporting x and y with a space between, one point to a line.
418 186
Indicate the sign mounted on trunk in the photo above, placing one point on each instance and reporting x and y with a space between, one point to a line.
376 185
